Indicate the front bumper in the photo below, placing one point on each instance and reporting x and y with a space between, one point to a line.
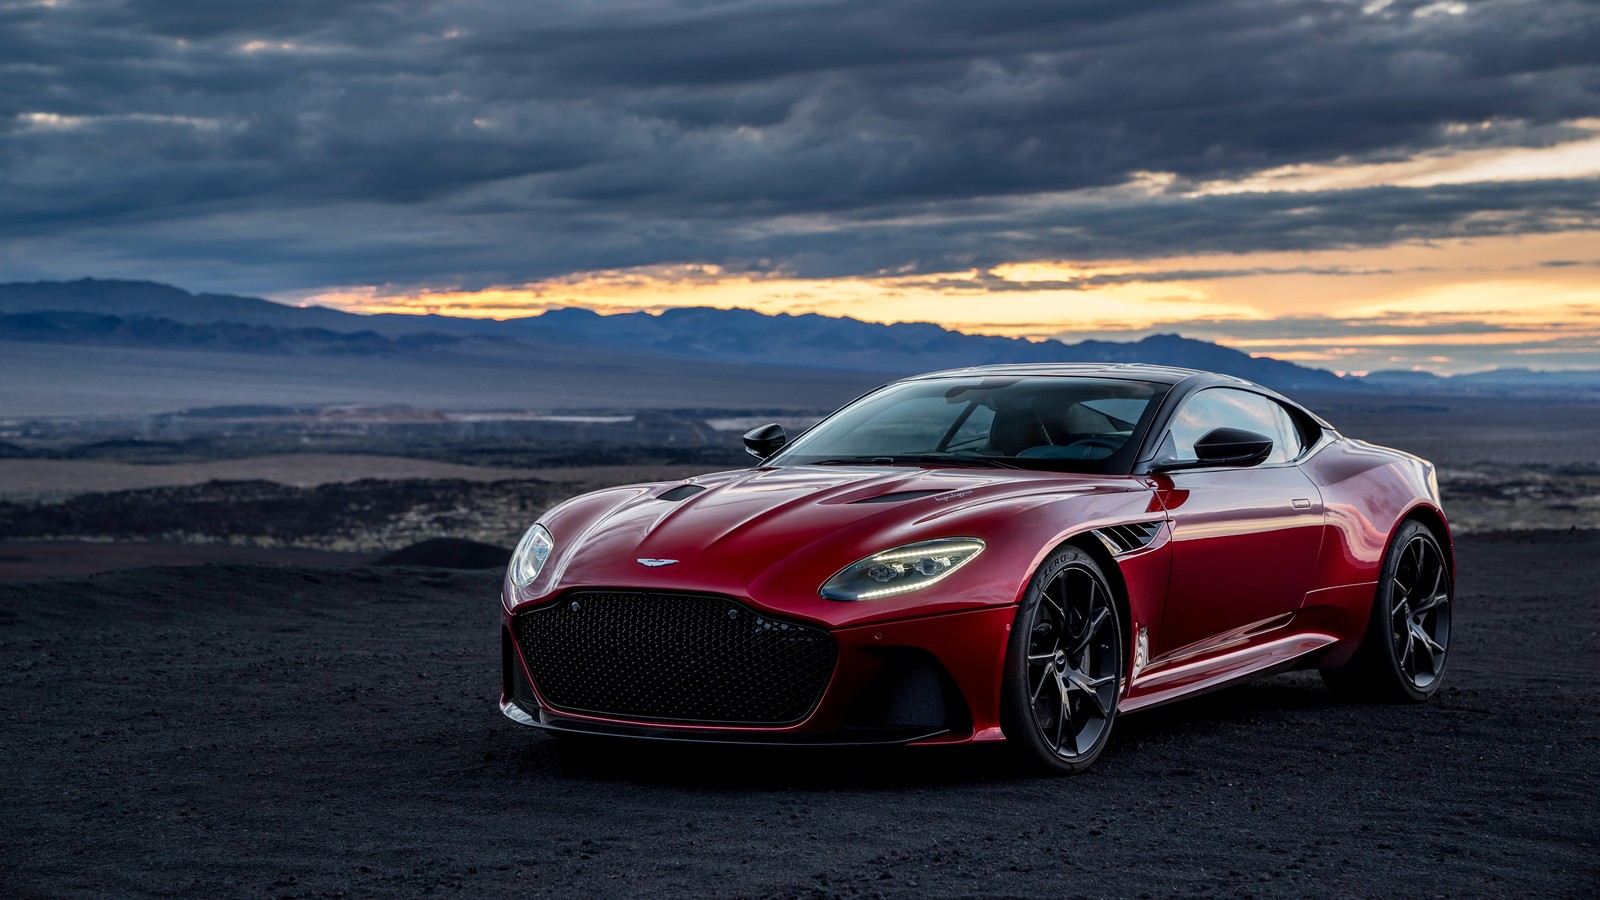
845 737
924 680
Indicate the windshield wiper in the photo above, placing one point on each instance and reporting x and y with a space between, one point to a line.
961 459
853 461
957 459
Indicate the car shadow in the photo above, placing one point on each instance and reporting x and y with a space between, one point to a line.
1288 693
733 768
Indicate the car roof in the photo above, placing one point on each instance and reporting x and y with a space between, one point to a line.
1191 379
1131 371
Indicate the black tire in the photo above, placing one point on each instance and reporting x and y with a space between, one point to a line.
1405 649
1064 666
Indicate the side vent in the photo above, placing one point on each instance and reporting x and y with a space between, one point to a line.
896 497
1120 539
681 492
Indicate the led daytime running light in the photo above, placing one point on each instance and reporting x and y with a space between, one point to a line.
869 579
892 555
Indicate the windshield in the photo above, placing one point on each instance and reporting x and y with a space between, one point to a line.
1036 422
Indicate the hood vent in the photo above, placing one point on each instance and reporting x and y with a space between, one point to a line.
681 492
897 497
1120 539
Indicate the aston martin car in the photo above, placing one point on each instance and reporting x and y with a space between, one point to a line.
1015 553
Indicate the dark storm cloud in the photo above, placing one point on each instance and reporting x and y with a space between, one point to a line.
352 243
196 19
990 282
291 143
1288 328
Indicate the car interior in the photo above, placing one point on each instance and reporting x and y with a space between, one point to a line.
1078 432
1048 424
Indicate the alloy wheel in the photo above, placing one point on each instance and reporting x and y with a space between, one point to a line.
1074 662
1419 611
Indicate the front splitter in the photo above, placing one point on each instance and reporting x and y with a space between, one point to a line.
843 737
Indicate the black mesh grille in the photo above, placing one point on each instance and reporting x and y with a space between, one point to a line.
907 693
677 657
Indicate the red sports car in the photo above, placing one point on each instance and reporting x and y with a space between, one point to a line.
1017 553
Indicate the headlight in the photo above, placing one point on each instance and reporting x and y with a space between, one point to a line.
904 569
532 551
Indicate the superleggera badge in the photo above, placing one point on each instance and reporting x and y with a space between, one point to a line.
653 563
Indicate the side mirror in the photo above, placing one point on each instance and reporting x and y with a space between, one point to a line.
1224 447
764 441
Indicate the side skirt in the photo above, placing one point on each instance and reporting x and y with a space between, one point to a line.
1210 673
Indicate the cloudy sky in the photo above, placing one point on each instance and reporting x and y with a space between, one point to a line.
1354 184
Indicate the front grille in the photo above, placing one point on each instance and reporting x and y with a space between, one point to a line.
675 657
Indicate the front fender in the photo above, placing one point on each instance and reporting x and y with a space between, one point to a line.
569 522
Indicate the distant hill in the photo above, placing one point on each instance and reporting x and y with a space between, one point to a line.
236 337
147 299
827 342
152 315
1501 381
1497 378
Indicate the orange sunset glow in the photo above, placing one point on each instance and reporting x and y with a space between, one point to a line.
1355 185
1446 305
1443 306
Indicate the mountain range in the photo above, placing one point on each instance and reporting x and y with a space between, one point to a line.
137 314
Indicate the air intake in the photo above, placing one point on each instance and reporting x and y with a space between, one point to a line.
681 492
1120 539
896 497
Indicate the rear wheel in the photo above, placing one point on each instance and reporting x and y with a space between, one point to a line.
1403 655
1064 665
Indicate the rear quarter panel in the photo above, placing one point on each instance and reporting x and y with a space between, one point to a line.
1367 492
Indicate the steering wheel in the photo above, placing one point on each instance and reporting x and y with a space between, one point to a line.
1091 447
1096 442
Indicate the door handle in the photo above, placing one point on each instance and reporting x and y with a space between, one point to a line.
1299 503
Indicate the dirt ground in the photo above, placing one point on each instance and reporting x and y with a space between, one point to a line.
27 560
237 730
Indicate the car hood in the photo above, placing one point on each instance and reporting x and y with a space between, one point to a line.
760 533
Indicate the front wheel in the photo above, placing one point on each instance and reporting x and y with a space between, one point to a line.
1403 654
1064 665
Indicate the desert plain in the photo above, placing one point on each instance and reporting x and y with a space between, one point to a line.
224 673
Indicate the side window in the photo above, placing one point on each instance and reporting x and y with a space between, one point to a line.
1289 437
1225 407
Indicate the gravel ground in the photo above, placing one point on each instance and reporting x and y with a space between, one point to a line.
58 479
235 730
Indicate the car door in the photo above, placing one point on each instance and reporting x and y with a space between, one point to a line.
1245 540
